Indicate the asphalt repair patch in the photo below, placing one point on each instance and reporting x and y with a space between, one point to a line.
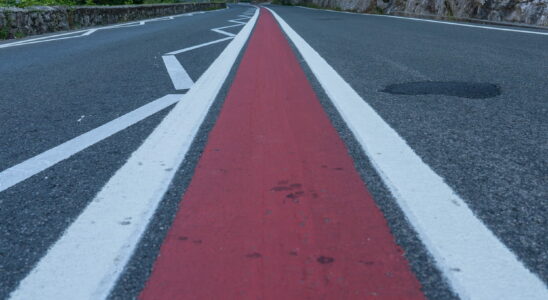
471 90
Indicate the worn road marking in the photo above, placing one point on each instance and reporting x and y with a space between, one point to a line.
86 261
476 263
44 160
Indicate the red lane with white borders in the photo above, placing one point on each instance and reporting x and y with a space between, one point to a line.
276 209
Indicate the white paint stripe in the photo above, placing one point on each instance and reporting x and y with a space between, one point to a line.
40 41
236 21
177 72
40 38
89 32
470 25
476 263
199 46
434 21
180 78
230 26
40 162
86 261
223 32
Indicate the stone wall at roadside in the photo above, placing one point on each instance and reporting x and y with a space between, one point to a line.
18 22
532 12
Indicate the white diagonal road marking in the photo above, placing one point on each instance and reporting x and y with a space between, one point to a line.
179 77
40 162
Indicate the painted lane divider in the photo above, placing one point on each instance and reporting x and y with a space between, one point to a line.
276 209
49 158
476 263
179 76
87 260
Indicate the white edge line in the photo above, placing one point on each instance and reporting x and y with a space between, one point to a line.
87 32
428 20
40 162
17 43
476 263
180 78
87 260
41 41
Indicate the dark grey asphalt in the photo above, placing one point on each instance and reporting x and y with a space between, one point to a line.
47 87
493 151
490 141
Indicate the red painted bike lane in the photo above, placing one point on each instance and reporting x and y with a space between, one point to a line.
276 209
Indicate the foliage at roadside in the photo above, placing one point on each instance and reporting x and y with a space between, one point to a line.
282 2
25 3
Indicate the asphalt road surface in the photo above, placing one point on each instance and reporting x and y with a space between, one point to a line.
294 153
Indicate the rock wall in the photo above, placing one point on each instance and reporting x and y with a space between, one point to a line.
533 12
18 22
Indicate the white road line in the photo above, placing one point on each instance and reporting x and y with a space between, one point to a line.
87 260
230 26
223 32
236 21
16 43
218 29
89 32
177 73
199 46
30 42
433 21
40 162
476 263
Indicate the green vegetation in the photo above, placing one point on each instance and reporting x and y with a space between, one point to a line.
376 10
26 3
282 2
3 33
